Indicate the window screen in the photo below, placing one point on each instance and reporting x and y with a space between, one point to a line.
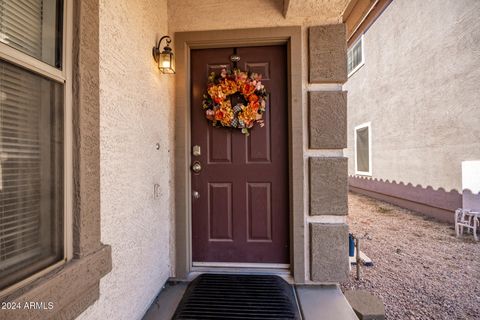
362 150
31 141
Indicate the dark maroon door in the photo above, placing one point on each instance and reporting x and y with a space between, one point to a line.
242 212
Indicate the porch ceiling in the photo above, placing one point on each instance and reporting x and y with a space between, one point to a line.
309 8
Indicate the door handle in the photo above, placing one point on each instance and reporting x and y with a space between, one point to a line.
196 167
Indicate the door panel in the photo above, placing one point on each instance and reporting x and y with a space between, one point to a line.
258 146
259 205
220 211
242 213
219 146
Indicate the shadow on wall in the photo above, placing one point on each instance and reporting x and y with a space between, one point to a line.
439 204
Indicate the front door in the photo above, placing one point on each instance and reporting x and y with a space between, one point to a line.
240 198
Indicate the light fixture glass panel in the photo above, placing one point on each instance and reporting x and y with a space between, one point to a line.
165 60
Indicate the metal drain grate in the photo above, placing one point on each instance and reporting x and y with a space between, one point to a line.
215 296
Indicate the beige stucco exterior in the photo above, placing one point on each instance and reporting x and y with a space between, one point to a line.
156 122
136 113
192 15
419 90
125 182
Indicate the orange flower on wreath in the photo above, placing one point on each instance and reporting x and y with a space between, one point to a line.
253 98
224 114
228 87
247 89
254 105
219 114
249 116
216 93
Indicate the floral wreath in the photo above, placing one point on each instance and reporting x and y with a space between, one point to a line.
247 92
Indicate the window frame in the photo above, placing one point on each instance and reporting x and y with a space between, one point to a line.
367 125
63 76
362 62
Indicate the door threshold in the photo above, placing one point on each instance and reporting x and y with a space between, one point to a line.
242 265
284 274
281 270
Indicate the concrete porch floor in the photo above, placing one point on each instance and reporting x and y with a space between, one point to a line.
315 302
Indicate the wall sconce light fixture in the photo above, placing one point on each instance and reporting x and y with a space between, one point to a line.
165 57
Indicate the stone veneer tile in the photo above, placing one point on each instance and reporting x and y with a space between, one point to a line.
327 54
327 119
328 186
328 252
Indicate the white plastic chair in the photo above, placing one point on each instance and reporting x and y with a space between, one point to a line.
465 218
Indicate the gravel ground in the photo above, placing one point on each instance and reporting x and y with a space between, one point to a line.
421 270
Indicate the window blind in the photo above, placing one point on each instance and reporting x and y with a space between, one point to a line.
20 164
31 146
33 27
21 25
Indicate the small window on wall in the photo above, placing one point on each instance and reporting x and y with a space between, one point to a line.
363 149
355 57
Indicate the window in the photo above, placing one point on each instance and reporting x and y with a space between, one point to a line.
363 149
34 167
355 57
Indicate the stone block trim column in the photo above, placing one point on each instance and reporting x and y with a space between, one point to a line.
327 54
328 174
328 252
327 119
328 186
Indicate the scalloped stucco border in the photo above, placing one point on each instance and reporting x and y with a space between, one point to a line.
439 204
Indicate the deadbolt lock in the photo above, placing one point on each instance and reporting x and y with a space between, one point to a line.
196 151
196 167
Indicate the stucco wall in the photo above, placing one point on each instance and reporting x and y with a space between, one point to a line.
193 15
136 112
419 89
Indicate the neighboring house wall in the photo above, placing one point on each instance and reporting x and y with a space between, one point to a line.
136 112
419 89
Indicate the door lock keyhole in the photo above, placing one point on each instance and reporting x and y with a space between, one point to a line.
196 167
